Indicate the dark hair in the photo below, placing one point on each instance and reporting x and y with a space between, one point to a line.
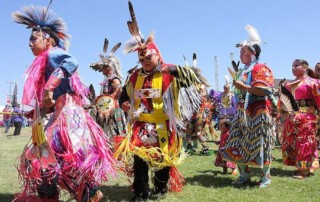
257 49
226 122
303 62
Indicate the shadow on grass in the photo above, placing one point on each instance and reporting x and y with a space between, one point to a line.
6 197
116 192
121 193
209 180
218 181
280 172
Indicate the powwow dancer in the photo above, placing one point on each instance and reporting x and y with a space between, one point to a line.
202 118
157 97
224 126
227 102
250 137
112 119
72 153
299 147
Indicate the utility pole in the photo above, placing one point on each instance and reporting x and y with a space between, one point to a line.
216 73
10 83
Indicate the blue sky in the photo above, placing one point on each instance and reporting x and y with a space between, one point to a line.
210 28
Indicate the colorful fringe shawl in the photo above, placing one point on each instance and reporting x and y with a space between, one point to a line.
77 155
35 80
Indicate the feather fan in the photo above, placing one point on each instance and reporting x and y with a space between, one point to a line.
287 99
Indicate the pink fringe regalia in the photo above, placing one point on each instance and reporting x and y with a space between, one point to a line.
76 156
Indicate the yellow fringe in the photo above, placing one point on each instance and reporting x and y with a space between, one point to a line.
153 155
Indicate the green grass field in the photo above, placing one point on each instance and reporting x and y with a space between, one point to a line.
204 181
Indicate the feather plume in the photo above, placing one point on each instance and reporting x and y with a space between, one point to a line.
194 60
105 46
232 73
253 35
227 79
92 95
150 38
115 48
235 65
108 60
197 71
185 61
133 25
132 45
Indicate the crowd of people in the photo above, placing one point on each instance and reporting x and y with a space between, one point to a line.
14 117
141 125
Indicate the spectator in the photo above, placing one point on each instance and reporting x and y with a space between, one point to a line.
17 119
7 118
317 70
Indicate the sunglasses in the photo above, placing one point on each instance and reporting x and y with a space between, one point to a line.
148 57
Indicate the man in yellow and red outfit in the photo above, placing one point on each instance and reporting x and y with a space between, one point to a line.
151 99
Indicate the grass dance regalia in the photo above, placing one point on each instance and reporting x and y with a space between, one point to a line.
112 119
249 143
158 98
196 127
72 152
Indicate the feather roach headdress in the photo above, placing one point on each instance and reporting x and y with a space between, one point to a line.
253 41
137 43
39 18
108 60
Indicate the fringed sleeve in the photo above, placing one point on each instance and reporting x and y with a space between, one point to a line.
182 98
